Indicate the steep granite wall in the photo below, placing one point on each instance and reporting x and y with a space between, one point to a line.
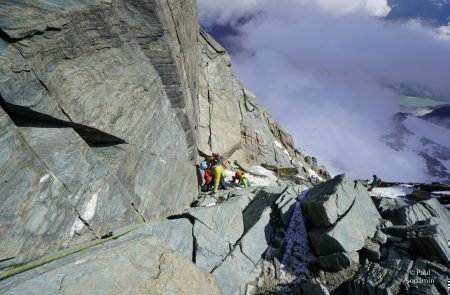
105 108
230 120
98 119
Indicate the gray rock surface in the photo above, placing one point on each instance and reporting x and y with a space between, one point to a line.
349 232
138 265
429 239
36 212
233 272
103 96
409 215
225 220
371 250
329 201
211 249
175 234
378 279
256 239
232 123
104 111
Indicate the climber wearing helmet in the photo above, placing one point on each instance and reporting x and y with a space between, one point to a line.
243 181
218 158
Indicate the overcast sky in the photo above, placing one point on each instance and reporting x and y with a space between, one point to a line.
318 67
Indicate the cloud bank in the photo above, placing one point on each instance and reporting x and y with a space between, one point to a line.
231 11
319 68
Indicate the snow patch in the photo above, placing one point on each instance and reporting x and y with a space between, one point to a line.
278 144
44 178
313 174
393 191
259 176
438 134
210 204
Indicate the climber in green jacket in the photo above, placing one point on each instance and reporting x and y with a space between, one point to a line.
375 182
243 181
219 175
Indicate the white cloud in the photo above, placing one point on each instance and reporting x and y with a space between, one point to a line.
230 11
320 74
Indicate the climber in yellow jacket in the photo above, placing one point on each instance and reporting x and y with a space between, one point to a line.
219 177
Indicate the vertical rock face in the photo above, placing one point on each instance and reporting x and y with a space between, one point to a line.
98 114
230 120
105 106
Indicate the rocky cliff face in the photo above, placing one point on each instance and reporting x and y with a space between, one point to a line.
230 119
105 108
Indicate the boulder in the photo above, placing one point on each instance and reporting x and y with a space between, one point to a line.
400 275
381 237
371 250
409 215
137 265
348 233
327 202
374 278
430 241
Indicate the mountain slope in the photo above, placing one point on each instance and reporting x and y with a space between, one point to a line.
427 140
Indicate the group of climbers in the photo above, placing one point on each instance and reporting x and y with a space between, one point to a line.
214 174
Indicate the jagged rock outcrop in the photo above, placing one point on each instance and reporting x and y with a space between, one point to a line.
226 107
342 216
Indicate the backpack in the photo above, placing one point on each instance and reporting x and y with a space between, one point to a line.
248 183
203 165
379 182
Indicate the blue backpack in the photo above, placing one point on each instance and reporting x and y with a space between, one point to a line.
203 165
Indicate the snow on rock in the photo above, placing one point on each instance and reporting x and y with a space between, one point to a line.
313 174
438 134
393 191
278 144
44 178
259 176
